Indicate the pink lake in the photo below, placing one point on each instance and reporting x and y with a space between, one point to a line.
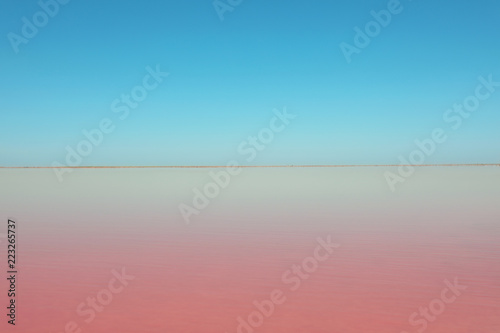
398 251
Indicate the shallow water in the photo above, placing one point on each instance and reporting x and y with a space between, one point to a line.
396 250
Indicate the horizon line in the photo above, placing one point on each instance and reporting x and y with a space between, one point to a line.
250 166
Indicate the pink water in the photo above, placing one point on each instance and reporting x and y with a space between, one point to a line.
396 250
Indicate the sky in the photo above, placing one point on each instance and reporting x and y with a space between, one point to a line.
231 71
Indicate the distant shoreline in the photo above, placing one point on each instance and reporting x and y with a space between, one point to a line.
248 166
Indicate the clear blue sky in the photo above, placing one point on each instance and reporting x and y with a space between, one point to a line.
227 76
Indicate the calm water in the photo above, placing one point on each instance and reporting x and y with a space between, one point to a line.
396 250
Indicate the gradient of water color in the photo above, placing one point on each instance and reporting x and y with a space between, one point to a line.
396 249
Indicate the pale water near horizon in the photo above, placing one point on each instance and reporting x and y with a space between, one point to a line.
397 253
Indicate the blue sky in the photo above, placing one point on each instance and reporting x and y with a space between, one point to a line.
227 76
